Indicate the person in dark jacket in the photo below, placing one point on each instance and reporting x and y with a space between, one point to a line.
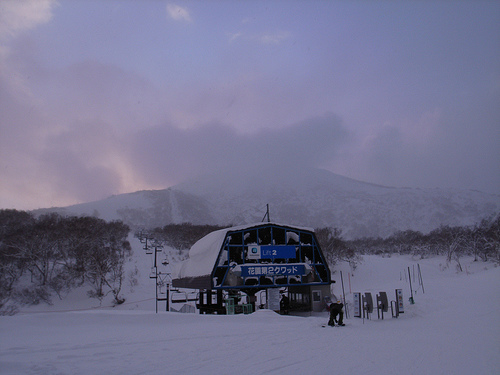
284 305
336 310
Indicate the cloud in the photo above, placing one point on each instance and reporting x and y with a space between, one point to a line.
89 129
266 39
234 36
178 13
65 145
17 16
166 153
97 132
275 38
439 148
83 161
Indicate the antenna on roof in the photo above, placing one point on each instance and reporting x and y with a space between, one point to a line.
267 214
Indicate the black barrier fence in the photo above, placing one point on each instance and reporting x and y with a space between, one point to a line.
364 306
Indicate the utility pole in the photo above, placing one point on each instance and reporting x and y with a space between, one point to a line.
267 214
161 278
164 279
144 237
158 281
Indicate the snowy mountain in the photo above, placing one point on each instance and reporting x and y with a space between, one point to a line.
305 197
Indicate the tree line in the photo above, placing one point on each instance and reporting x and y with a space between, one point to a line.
335 248
482 241
51 254
178 236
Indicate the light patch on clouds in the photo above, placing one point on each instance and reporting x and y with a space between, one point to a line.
275 38
17 16
266 39
53 152
234 36
178 13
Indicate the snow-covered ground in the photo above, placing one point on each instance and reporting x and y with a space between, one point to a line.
453 328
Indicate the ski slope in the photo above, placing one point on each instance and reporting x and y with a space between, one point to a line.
451 329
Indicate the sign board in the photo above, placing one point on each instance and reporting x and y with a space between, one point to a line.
399 300
273 270
271 252
382 302
277 252
253 252
357 305
368 302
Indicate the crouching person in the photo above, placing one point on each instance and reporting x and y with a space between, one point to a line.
336 310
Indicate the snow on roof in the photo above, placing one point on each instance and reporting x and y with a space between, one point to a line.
203 254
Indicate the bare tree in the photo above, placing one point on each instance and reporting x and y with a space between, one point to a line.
334 247
105 259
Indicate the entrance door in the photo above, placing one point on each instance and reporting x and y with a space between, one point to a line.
317 300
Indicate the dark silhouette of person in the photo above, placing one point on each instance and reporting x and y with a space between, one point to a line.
336 310
284 305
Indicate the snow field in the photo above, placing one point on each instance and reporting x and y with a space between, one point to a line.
451 329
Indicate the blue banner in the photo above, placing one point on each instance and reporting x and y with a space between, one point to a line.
277 252
273 270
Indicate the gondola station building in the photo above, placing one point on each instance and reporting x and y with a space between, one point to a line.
232 267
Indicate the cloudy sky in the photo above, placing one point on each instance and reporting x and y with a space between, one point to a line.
106 97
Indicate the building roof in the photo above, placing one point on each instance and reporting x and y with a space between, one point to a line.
203 254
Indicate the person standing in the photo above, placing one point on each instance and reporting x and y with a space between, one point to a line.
284 305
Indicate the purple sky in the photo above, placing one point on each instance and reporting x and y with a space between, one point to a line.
107 97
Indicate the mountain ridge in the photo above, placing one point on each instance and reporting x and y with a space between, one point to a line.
305 197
